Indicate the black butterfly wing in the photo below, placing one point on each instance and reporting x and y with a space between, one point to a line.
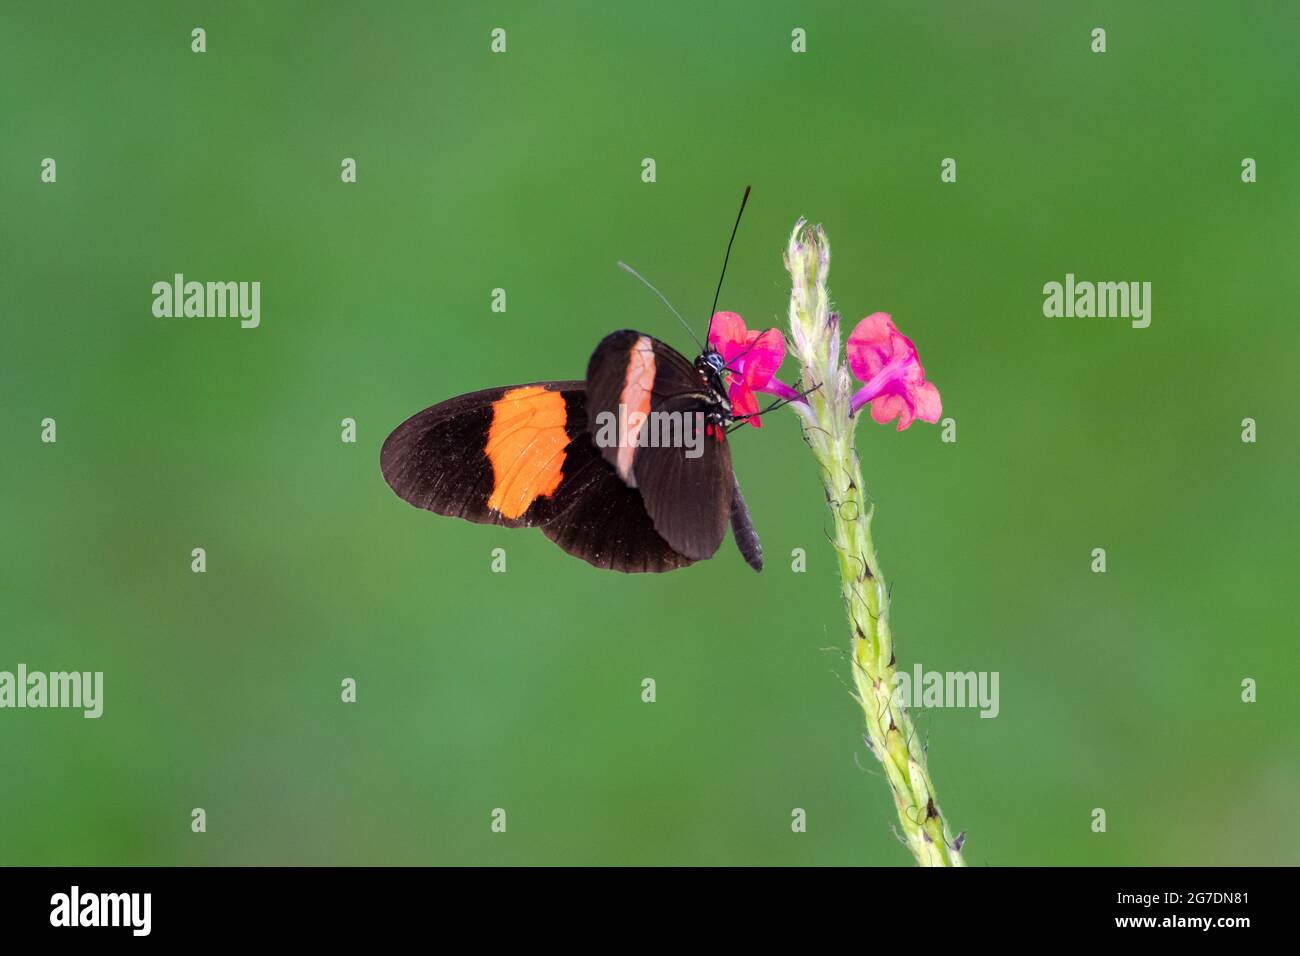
605 522
680 465
441 459
521 457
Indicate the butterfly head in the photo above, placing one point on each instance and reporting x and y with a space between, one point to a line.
713 370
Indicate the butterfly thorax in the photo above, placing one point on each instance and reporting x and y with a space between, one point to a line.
713 371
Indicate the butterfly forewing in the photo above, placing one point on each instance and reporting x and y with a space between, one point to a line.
521 456
442 459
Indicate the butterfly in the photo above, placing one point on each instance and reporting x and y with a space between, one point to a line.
629 469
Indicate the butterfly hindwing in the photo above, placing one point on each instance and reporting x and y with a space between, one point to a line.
604 522
521 457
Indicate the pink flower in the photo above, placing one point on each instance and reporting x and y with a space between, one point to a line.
885 359
752 359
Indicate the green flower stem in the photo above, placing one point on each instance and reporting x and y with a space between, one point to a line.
828 429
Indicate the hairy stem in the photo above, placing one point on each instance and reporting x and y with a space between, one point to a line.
828 429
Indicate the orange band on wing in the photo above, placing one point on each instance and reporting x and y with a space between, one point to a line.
635 401
526 448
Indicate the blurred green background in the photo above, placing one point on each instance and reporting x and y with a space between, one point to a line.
523 171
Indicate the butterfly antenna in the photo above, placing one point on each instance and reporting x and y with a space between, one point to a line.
627 268
743 199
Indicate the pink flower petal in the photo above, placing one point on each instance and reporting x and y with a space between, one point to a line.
873 344
894 379
727 334
752 360
765 351
743 399
928 405
885 408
